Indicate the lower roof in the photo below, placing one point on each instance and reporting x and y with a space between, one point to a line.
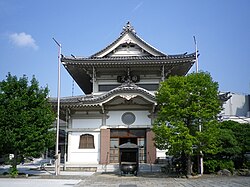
127 91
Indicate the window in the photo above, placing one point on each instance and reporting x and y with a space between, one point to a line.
128 118
108 87
86 141
149 87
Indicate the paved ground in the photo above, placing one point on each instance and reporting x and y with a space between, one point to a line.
112 180
39 178
23 182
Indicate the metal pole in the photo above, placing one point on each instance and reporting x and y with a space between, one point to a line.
200 162
57 159
201 157
196 55
197 70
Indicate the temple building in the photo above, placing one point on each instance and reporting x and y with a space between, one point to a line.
118 104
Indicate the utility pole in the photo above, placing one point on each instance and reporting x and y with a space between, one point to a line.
57 154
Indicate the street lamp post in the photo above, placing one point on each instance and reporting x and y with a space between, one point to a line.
57 154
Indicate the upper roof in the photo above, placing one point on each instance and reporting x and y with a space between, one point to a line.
127 51
128 39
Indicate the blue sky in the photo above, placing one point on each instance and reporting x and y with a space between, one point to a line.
83 27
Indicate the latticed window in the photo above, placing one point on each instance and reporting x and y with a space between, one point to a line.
86 141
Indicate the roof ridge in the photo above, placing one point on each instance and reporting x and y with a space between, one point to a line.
128 28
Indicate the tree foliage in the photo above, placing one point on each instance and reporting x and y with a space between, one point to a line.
233 143
184 104
26 117
241 135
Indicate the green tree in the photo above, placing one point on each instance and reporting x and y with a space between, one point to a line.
184 104
26 118
238 142
233 143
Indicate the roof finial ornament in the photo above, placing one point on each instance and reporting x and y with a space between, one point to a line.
128 28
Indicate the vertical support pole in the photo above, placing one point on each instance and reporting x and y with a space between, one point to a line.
196 55
57 156
66 138
200 157
163 73
93 79
197 70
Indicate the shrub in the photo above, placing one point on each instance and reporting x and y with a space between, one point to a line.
227 164
13 172
212 166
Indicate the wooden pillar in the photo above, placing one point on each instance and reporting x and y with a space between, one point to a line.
151 149
104 146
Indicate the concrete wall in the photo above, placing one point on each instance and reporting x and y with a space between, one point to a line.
237 105
237 108
86 123
84 156
80 126
141 118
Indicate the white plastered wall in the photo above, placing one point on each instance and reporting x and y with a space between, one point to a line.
141 119
84 156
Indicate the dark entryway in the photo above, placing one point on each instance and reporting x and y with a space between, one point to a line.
128 154
123 136
129 158
125 140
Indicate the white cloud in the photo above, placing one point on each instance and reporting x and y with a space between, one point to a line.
23 40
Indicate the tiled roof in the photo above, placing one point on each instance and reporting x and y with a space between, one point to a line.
224 96
82 68
127 29
91 100
131 59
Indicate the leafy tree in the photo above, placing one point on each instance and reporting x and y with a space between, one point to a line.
184 104
233 144
26 118
238 142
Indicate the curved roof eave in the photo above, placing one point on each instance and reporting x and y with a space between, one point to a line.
127 89
131 60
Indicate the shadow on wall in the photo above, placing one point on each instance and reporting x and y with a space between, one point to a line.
242 105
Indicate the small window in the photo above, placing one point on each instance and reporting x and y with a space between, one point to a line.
149 87
86 141
128 118
107 87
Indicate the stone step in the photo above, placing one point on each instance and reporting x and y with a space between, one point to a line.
104 168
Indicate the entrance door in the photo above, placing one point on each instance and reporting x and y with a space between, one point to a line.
122 136
114 150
